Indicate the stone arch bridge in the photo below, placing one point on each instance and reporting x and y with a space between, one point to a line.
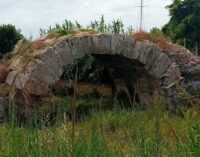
129 60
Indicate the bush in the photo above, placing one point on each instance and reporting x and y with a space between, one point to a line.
90 70
155 36
9 36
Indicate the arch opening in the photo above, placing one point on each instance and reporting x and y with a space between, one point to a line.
110 75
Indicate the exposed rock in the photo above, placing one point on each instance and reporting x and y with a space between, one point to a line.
191 86
171 76
189 65
161 64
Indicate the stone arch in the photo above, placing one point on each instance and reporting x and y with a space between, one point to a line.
46 67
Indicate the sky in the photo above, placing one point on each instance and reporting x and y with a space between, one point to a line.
31 15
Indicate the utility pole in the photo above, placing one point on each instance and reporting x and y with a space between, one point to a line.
141 14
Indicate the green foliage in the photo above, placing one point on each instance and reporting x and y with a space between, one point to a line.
9 36
116 26
184 23
63 29
90 70
194 140
155 32
94 146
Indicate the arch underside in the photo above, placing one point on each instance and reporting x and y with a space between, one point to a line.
128 58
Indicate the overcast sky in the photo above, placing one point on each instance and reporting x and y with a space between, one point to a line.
30 15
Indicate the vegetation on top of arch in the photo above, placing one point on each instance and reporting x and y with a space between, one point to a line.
97 26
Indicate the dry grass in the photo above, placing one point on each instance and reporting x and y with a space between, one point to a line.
85 88
161 41
85 31
140 36
52 35
39 44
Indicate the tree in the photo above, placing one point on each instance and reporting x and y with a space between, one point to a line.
9 36
184 25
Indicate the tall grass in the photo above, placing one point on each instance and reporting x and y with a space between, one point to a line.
113 131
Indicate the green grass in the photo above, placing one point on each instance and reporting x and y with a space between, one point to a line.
107 132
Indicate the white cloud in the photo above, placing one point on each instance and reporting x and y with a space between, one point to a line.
30 15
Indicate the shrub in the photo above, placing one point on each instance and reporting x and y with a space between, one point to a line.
154 36
140 36
9 36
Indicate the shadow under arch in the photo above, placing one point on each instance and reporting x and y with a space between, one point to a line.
120 74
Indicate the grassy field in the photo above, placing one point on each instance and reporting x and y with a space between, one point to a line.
115 131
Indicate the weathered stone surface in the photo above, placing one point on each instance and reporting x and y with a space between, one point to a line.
191 86
137 50
144 51
46 67
42 72
102 44
26 83
17 79
189 65
45 58
161 64
75 48
150 57
171 76
64 52
80 46
117 44
129 46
